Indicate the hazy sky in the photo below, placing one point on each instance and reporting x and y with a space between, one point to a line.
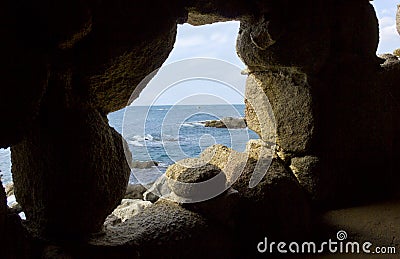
218 41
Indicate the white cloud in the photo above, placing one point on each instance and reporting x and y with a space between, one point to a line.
389 33
191 41
386 21
219 38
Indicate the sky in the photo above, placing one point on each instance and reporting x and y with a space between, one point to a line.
218 41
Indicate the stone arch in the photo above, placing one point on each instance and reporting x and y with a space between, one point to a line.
335 99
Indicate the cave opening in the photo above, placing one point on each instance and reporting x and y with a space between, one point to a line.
176 117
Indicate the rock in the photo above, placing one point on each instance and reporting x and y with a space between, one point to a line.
308 172
129 208
163 229
221 209
228 122
196 18
75 187
9 188
3 212
158 189
134 191
112 220
396 52
398 19
143 164
194 180
390 60
289 118
265 41
276 207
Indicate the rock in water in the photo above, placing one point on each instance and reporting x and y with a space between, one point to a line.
143 164
228 122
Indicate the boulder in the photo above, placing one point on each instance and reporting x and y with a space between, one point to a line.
194 180
143 164
228 122
74 188
162 229
134 191
279 108
9 188
129 208
276 207
308 172
158 189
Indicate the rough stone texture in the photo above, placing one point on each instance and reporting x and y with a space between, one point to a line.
9 188
195 18
164 229
307 171
398 19
129 208
66 64
292 109
225 159
193 179
277 207
134 191
266 41
61 177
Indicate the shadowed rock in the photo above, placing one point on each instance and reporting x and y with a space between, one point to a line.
69 200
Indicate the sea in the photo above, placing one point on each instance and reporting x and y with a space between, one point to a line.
166 134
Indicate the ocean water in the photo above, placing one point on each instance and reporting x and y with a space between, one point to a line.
166 134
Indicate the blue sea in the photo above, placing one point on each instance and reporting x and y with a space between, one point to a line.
166 134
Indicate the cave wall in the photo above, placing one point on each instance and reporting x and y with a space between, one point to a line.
67 64
334 105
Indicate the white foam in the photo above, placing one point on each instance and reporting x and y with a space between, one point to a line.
135 143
